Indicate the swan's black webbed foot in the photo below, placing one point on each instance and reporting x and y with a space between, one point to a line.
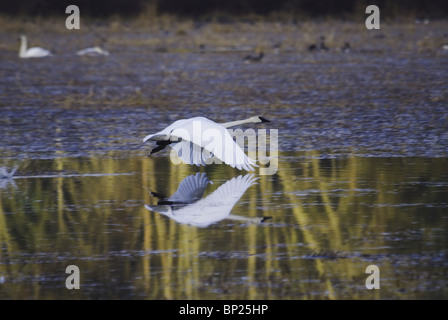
161 146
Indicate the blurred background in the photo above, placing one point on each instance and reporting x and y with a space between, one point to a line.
228 10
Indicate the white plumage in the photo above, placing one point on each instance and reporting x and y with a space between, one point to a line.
190 190
213 208
4 174
7 177
93 51
198 140
34 52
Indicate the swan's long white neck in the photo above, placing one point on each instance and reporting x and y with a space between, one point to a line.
23 46
255 119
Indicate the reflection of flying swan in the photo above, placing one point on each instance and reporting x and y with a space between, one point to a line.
35 52
190 190
213 208
191 137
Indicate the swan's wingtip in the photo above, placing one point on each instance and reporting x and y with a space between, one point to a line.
147 138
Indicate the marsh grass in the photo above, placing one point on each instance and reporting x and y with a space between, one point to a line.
150 61
168 33
168 30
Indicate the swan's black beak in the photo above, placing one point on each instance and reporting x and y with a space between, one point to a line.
263 119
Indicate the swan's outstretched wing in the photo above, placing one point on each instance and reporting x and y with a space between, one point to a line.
7 177
4 174
200 139
165 133
191 189
227 195
214 207
5 182
214 139
191 153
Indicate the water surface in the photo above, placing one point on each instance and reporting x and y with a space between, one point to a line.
362 173
330 219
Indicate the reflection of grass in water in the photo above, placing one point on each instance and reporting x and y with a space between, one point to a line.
100 219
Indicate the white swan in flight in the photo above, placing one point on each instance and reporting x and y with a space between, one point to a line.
93 51
186 205
34 52
198 139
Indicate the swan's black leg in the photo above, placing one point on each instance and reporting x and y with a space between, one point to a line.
161 146
158 195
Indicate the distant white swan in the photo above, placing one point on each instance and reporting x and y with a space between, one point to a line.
191 137
185 206
35 52
94 51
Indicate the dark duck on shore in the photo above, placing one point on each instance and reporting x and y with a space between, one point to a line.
251 58
318 47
